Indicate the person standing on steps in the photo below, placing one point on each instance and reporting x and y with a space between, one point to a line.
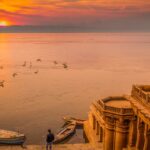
49 140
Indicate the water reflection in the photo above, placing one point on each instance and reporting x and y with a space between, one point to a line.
42 90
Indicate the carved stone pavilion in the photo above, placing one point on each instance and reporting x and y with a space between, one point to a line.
121 122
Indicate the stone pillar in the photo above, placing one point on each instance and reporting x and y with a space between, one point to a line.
90 119
148 139
101 135
94 122
145 138
109 137
121 134
140 135
97 128
132 132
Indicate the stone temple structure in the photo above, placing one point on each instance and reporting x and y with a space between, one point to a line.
121 122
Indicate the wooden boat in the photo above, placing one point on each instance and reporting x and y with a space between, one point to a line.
11 138
79 122
65 133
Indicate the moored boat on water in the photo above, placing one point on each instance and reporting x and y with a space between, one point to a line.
11 138
65 133
79 122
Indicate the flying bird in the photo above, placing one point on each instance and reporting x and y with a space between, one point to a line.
14 74
36 72
55 62
24 64
65 65
38 60
2 83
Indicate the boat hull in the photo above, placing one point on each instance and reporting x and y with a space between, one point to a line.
58 141
79 122
12 141
65 133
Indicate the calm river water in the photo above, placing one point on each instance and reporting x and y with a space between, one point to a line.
41 93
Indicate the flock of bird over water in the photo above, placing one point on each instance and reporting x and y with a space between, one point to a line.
64 65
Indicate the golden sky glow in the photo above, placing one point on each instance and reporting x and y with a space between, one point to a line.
4 23
69 11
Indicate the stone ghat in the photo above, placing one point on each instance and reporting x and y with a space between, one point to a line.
55 147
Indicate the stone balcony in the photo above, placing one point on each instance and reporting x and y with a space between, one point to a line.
141 93
115 104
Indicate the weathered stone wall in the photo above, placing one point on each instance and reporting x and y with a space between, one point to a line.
108 125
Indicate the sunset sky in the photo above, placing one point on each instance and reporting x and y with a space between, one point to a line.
74 12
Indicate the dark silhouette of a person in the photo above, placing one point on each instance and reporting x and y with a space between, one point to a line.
49 140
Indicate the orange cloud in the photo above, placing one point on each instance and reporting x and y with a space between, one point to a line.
74 10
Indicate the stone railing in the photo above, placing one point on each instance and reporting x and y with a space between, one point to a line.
140 94
123 111
99 105
113 109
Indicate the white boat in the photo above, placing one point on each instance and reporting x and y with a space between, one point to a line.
11 137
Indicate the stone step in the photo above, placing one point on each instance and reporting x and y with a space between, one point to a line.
55 147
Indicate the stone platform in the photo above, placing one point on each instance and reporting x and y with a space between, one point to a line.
55 147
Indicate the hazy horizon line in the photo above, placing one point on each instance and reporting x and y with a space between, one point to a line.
67 29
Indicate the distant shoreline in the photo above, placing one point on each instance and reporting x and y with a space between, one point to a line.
107 32
69 29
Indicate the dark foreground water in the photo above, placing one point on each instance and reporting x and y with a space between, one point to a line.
41 93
